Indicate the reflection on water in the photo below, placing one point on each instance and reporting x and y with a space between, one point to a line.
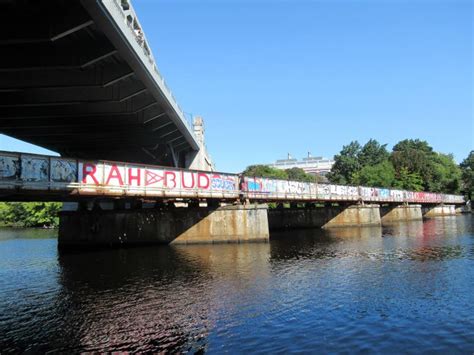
24 233
407 287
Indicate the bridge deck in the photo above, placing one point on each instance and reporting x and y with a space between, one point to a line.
40 177
78 77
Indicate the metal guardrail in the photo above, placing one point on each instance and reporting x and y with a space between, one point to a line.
30 173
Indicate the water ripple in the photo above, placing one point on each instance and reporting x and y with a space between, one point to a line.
406 288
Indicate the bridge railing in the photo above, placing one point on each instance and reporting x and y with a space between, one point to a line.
126 12
31 173
56 175
273 189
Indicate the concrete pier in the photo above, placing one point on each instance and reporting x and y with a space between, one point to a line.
439 211
166 226
394 213
325 217
119 226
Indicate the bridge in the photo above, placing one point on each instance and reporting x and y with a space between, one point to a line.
150 203
78 77
42 177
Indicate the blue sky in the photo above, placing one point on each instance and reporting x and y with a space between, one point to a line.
271 77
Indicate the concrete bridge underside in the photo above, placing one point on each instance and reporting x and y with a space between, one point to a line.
76 79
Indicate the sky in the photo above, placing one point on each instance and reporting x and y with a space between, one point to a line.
272 77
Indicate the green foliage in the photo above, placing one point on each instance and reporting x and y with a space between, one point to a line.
356 164
467 171
438 171
417 157
412 165
346 164
299 174
446 174
30 214
296 174
378 175
406 180
373 153
265 171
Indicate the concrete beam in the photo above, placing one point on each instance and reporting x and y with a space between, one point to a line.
41 21
50 78
70 29
38 56
73 95
70 120
136 105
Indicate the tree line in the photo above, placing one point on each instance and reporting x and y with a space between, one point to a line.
412 164
30 214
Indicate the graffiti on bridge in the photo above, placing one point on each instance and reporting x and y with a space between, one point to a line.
37 172
280 189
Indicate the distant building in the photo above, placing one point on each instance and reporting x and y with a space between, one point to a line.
311 165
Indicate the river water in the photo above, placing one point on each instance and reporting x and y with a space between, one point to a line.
405 288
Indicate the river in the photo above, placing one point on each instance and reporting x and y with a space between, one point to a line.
404 288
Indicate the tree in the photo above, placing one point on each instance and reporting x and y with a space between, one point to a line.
299 174
467 170
30 214
372 153
346 163
408 181
378 175
353 158
265 171
438 171
446 174
296 174
416 157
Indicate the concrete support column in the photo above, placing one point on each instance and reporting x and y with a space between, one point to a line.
356 215
398 213
326 217
152 226
441 210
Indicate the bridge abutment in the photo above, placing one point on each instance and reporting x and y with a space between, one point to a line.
96 228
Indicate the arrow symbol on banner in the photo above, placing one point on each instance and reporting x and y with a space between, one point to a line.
152 178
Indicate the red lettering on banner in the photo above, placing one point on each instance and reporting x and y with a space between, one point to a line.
173 179
204 176
136 178
88 170
115 174
183 183
151 177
